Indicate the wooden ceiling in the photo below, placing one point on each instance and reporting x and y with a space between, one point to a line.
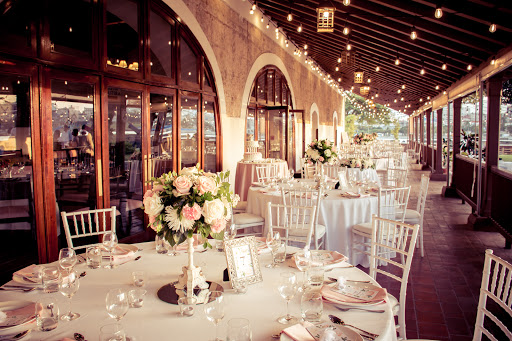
381 29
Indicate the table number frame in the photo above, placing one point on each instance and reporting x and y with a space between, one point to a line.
242 260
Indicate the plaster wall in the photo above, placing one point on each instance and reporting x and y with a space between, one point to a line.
233 42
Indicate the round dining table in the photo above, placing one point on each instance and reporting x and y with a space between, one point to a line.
158 320
337 213
246 174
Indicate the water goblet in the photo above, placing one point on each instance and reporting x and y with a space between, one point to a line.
292 173
67 258
117 303
311 306
239 329
214 309
287 288
68 286
171 250
50 278
110 242
273 242
47 315
112 332
303 261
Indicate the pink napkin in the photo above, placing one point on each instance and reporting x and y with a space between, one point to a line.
119 255
261 245
336 258
298 332
354 195
30 272
329 293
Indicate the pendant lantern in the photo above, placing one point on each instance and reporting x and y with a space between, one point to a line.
325 17
358 76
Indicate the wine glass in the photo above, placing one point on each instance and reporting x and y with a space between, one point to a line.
117 303
67 259
303 262
287 288
214 309
110 242
68 286
273 243
112 332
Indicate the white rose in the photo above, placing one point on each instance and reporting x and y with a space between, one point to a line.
189 171
315 155
227 206
212 210
327 153
153 205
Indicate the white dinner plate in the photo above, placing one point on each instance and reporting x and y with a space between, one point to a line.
353 304
26 325
20 279
353 336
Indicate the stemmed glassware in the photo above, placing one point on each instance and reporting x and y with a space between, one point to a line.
110 242
303 262
67 259
117 303
171 250
68 286
214 309
273 243
287 288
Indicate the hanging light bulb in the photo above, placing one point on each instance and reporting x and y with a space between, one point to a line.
299 29
289 17
305 46
493 61
253 7
337 68
397 60
422 71
262 19
470 67
493 28
339 79
437 87
346 2
305 53
444 66
439 12
349 46
346 30
286 42
369 80
377 68
399 91
403 86
268 25
414 34
339 60
444 92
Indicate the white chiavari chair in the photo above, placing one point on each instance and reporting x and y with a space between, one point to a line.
266 173
88 223
391 236
390 201
293 222
304 197
307 171
416 216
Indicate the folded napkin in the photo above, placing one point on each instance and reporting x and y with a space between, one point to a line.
270 191
354 195
372 293
18 316
119 255
31 273
3 316
261 245
325 258
298 332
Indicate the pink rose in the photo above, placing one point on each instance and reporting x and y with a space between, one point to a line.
321 159
327 143
182 184
152 223
192 213
206 184
158 188
218 225
334 149
310 162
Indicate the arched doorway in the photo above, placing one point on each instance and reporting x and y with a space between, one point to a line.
314 126
270 118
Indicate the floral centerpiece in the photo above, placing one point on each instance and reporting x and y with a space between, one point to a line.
188 202
363 138
322 151
361 163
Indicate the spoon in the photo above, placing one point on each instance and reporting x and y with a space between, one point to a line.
337 320
18 289
347 280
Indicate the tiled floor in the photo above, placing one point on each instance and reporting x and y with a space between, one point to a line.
443 289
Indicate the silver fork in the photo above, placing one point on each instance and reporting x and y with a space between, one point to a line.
368 310
17 289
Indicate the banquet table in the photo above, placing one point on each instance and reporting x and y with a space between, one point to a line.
157 320
246 175
336 213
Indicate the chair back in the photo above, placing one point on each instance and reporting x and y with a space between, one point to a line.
392 202
496 286
422 196
266 173
388 237
88 223
294 222
395 177
307 171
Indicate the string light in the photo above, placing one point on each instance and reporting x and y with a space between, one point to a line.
346 30
493 28
290 16
397 60
422 71
337 69
299 28
470 67
403 86
437 87
262 19
339 60
346 2
493 60
399 91
439 12
377 68
444 66
414 34
349 46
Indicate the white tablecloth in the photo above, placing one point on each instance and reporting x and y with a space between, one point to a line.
246 175
158 320
336 213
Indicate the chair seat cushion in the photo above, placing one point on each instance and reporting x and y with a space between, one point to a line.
412 216
365 228
247 219
320 231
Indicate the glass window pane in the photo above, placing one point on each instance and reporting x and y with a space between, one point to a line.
210 137
188 119
161 45
73 147
249 126
71 26
261 132
125 159
277 132
161 133
123 34
445 135
433 127
469 125
261 87
424 137
15 18
17 220
505 142
270 86
188 63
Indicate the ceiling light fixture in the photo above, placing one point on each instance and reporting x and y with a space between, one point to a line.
377 68
289 17
325 17
337 68
349 46
346 2
470 67
346 30
414 34
493 28
439 12
444 66
437 87
299 28
397 60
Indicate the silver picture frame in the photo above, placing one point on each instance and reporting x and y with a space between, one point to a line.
242 259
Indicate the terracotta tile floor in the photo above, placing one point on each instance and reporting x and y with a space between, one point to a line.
443 290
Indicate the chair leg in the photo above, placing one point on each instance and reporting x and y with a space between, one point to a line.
421 239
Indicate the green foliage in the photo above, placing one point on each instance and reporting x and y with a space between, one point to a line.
396 130
350 124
